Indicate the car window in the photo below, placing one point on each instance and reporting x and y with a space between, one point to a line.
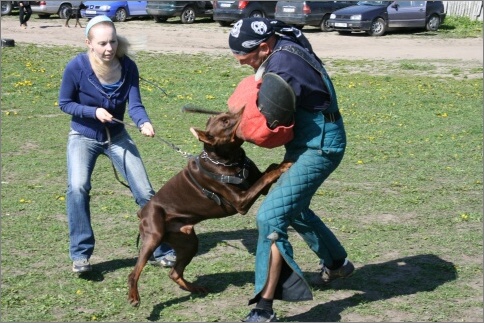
410 4
404 4
372 3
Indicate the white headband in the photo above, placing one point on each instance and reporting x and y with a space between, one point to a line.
96 20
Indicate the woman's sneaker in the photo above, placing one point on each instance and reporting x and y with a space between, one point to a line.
328 275
260 315
81 266
165 261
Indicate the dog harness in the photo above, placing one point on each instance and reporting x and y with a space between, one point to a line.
239 179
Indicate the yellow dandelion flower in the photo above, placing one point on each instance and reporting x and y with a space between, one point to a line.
359 162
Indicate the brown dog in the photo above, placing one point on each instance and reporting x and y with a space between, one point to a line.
219 182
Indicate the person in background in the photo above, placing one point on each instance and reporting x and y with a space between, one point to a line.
24 13
272 48
96 89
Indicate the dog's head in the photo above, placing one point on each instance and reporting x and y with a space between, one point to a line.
221 131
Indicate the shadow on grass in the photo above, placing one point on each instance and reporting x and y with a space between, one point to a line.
176 21
215 283
403 276
209 240
99 269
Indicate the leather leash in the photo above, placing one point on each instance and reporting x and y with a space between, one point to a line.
177 149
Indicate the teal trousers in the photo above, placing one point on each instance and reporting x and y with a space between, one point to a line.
316 150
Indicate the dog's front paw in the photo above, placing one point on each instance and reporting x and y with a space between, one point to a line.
284 166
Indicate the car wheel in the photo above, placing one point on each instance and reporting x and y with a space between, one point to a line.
324 26
378 27
160 19
224 23
6 7
64 10
434 23
257 13
188 15
121 15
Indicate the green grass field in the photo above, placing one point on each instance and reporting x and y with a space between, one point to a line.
406 201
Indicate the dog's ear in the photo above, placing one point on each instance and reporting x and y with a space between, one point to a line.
201 135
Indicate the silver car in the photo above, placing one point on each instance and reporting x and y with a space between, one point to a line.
46 8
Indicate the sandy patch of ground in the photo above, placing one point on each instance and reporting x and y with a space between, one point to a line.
208 37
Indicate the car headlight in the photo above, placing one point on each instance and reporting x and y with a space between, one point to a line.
104 8
333 16
355 17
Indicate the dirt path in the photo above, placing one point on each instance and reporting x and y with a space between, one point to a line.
209 37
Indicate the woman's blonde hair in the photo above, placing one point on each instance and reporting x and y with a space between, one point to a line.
123 46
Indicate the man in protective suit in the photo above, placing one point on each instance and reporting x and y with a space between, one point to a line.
290 101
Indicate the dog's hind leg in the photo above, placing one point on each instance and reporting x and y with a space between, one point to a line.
185 244
78 14
151 234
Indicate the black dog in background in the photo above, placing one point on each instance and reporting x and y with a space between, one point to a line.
74 12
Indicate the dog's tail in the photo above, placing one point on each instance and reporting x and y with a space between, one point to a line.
137 242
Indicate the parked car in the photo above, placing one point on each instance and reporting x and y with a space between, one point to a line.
227 12
8 6
116 10
53 7
378 17
188 11
312 13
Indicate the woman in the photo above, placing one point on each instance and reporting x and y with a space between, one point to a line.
96 86
25 11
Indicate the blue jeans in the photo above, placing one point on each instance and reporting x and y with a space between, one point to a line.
82 153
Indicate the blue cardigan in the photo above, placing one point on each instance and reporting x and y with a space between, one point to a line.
81 94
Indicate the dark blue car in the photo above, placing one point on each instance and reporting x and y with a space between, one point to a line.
312 13
116 10
228 12
378 17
